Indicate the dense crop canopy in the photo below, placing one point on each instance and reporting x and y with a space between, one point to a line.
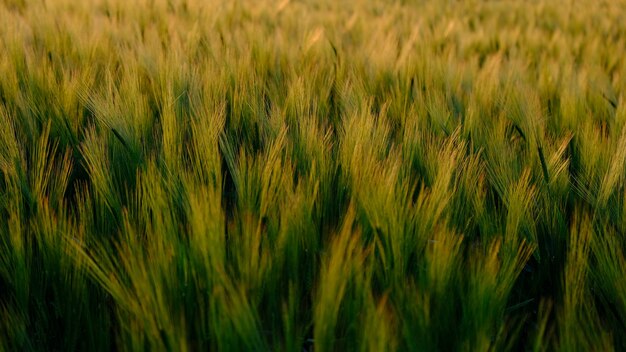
312 175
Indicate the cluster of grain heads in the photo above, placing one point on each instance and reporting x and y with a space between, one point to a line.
577 308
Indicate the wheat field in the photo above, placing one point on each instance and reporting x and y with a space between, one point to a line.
312 175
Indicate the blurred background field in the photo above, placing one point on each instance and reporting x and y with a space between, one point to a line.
312 175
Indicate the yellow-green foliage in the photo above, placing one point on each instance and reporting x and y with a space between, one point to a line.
294 175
